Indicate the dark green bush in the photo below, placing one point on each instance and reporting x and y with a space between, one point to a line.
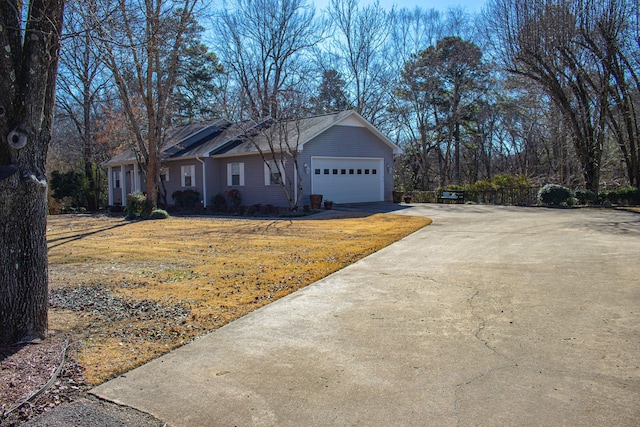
159 214
187 199
621 196
630 195
71 186
585 197
554 195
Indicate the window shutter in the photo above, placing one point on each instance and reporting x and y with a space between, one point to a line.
241 174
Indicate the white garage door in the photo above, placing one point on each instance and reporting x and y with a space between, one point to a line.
348 180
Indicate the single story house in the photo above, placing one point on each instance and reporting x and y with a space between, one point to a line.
341 156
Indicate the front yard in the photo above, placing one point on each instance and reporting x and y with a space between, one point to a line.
128 292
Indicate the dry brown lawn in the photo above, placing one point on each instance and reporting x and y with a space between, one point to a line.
126 292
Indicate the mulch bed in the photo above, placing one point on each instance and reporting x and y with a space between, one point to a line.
37 377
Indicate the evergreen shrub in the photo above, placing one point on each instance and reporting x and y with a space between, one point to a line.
585 197
159 214
555 195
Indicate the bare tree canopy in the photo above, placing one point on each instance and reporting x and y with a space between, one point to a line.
578 52
263 44
82 83
358 47
28 68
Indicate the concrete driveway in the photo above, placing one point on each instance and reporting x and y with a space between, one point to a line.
496 316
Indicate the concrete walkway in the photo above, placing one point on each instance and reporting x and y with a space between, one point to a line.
490 316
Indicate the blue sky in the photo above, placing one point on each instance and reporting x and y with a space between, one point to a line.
471 6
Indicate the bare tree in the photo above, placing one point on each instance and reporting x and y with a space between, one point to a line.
278 142
82 82
263 43
413 31
548 42
141 43
28 68
610 32
358 44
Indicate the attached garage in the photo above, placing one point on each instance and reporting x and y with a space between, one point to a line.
348 180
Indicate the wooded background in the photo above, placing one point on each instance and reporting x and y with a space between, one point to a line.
539 91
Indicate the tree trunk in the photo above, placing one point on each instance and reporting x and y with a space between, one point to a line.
456 153
28 69
23 260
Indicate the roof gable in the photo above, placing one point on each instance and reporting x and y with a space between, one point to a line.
304 131
346 118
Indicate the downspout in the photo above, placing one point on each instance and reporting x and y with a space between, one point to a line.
204 182
295 183
123 184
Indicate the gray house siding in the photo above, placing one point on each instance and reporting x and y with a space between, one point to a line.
254 191
175 182
214 183
347 141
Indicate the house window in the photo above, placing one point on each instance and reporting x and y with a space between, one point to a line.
326 171
366 171
164 174
188 175
343 171
317 171
116 179
235 174
374 171
335 171
273 172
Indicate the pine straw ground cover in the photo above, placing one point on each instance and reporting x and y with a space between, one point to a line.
127 292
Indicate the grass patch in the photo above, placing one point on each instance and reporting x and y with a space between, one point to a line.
129 292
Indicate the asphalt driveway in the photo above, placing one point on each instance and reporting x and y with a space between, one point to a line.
489 316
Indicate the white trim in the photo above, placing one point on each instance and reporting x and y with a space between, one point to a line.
230 174
110 185
123 185
204 182
164 170
380 171
295 182
279 165
189 170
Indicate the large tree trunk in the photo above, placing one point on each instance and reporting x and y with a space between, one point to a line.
23 260
28 69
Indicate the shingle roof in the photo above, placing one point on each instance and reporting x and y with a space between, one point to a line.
185 140
223 138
